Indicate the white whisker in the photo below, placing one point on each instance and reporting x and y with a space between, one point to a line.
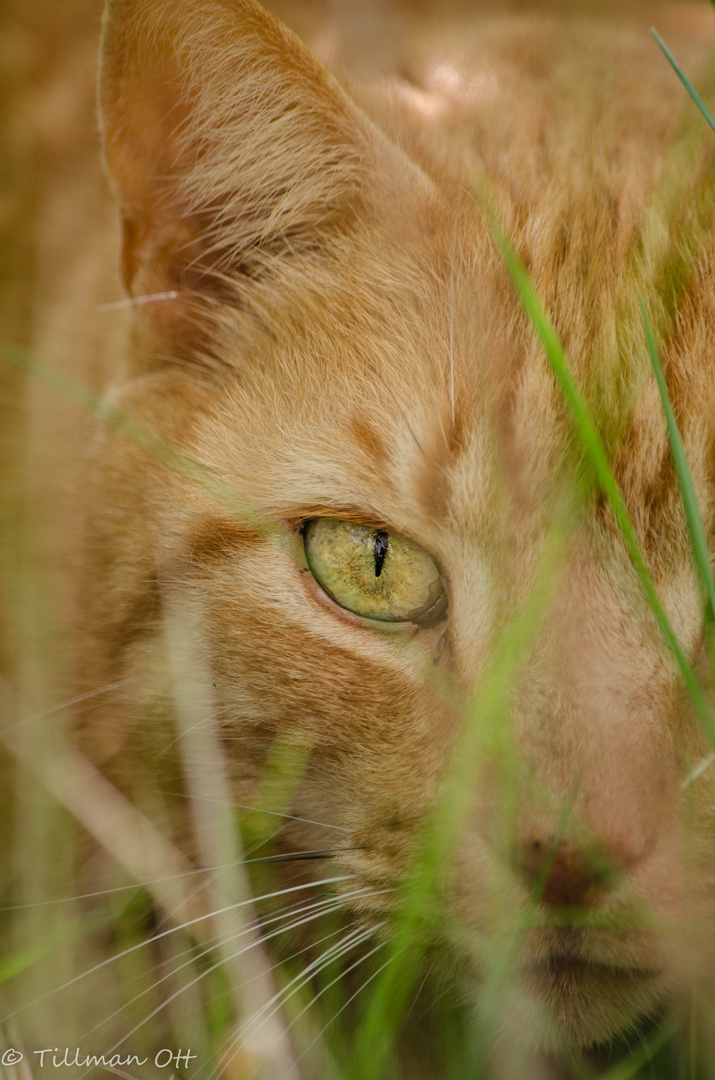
34 717
110 890
274 1005
166 933
264 1014
338 978
332 903
139 301
321 908
257 810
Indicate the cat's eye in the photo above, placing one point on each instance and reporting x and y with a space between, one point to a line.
374 573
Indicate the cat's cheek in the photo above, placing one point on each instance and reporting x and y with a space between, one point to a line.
257 603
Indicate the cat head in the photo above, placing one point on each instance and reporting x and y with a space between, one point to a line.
391 553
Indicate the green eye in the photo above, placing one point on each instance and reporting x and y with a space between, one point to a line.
374 573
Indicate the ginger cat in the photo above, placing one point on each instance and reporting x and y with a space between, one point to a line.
374 550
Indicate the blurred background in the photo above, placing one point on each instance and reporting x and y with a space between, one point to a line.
53 194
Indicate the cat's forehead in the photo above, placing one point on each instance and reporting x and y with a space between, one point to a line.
407 379
413 385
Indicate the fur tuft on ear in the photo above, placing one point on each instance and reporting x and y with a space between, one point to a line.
229 145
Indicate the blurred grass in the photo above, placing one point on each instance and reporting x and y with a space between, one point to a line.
684 79
390 1000
198 1001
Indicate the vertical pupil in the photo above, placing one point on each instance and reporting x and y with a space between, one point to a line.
380 550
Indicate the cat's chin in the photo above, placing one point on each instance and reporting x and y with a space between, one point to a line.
585 1002
565 995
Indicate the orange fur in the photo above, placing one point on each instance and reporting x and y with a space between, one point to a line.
342 339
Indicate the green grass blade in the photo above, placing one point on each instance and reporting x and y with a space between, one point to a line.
20 961
422 906
684 78
694 519
393 992
635 1064
595 452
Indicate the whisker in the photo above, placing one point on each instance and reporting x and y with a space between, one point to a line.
333 903
339 978
182 872
355 937
173 930
306 856
320 908
255 810
34 717
139 301
271 1007
352 997
303 856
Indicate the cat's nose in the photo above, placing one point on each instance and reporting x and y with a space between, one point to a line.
560 873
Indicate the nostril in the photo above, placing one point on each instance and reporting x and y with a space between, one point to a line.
564 875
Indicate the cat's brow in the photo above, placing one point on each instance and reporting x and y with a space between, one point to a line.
219 537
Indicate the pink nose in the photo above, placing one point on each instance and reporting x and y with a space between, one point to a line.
563 874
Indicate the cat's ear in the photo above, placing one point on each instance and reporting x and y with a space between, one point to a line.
229 145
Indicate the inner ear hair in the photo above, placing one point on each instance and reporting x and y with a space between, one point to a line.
231 150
